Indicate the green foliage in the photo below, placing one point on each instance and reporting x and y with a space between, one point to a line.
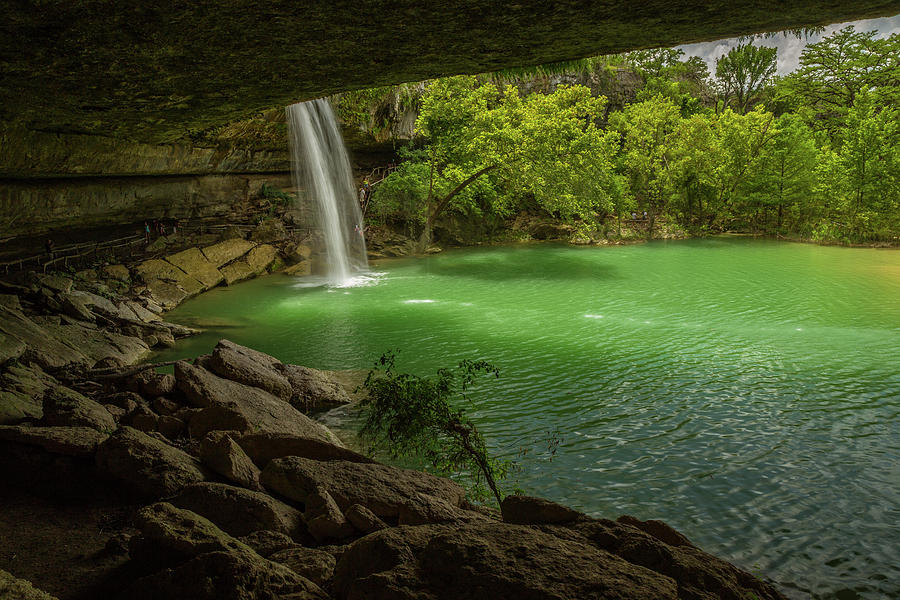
833 73
273 193
743 72
420 417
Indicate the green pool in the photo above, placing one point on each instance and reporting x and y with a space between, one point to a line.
745 391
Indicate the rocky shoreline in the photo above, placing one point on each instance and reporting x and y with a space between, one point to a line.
213 482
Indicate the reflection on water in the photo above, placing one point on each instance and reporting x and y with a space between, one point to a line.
746 392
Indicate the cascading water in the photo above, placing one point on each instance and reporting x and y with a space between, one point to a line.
319 163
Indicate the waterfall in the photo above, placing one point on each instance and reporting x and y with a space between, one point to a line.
320 165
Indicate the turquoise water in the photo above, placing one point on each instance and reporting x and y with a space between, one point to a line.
747 392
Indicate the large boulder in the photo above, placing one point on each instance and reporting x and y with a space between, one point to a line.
656 546
193 262
233 362
13 588
225 576
69 441
10 348
259 258
202 562
224 456
263 447
528 510
237 271
22 392
489 560
315 565
313 390
167 295
42 348
239 511
324 518
266 412
226 251
382 489
146 465
170 535
97 344
67 408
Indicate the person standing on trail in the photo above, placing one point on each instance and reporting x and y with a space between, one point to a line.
147 231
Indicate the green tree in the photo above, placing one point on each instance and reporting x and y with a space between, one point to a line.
647 128
420 417
834 71
546 146
784 179
867 192
743 72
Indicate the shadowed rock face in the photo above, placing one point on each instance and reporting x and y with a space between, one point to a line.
163 71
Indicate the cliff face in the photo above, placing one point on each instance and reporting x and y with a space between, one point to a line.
166 71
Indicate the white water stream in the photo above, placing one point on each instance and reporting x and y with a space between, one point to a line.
320 165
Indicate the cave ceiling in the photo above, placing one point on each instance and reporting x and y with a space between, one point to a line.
164 71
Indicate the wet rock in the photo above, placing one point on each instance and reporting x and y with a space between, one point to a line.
259 258
527 510
13 588
324 519
148 466
489 560
263 447
69 441
236 272
233 362
315 565
263 410
167 295
224 456
300 269
64 407
266 542
313 390
382 489
697 574
239 511
363 519
143 313
658 529
196 265
226 251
